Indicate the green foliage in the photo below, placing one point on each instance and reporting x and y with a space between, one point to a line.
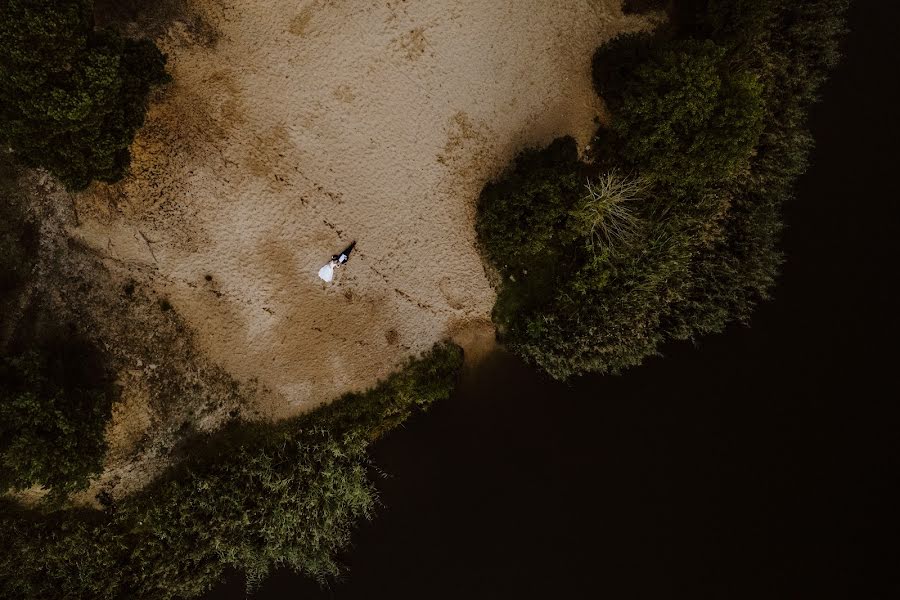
685 120
743 22
71 97
260 496
614 63
714 131
415 387
791 47
574 300
53 411
290 499
522 217
522 224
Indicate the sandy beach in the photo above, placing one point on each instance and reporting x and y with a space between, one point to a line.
291 128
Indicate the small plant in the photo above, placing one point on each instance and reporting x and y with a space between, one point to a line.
605 216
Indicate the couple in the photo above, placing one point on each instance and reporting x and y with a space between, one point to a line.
326 273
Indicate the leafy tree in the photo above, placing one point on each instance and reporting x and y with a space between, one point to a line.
731 270
614 63
523 224
522 217
791 47
252 497
53 401
53 412
579 291
740 22
685 121
71 97
714 131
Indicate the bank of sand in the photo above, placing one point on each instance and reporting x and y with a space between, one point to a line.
292 128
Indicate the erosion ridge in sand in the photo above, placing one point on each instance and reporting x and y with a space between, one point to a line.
299 126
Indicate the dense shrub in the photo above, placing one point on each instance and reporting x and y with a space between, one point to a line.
686 120
523 215
560 272
714 131
523 224
71 97
614 63
790 47
18 236
415 387
258 496
53 412
606 270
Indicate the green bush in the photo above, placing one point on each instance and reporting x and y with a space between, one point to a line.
53 413
523 224
614 63
54 404
714 132
71 97
415 387
791 47
253 497
579 287
523 216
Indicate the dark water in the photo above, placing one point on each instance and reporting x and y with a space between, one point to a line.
760 465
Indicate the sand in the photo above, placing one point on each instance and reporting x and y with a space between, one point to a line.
293 127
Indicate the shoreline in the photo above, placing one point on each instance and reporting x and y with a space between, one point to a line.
246 178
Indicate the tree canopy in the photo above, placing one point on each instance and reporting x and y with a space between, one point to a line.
669 229
71 97
252 497
687 119
53 414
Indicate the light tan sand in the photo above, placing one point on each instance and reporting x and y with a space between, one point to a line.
307 124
